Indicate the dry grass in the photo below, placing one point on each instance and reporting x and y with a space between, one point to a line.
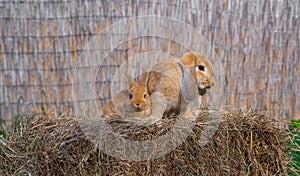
244 144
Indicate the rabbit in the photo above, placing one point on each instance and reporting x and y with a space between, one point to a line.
176 82
134 102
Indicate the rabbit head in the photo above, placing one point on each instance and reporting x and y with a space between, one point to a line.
138 96
133 102
203 70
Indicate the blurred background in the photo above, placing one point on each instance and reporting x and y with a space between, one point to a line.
257 43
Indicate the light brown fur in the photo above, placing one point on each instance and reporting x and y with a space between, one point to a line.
134 102
174 83
204 79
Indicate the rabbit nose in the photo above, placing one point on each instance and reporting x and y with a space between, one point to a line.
212 84
137 105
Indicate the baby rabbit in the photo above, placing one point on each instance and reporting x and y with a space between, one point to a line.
174 83
134 102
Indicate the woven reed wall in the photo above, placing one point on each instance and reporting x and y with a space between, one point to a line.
258 43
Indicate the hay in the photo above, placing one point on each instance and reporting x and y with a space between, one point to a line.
244 144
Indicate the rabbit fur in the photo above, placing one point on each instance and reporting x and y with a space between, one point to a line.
176 82
133 102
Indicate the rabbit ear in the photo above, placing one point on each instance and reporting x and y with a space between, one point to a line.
143 79
189 59
188 84
129 79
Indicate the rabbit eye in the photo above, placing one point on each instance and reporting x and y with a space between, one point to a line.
201 67
145 95
130 96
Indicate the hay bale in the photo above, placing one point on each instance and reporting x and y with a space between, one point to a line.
244 144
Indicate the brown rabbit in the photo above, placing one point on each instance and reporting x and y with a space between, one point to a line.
176 82
134 102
